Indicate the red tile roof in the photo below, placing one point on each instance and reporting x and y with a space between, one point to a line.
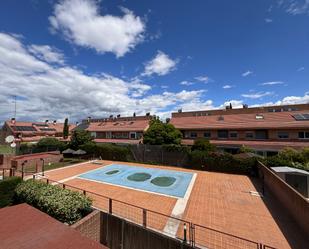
133 125
58 127
118 141
278 120
265 145
24 227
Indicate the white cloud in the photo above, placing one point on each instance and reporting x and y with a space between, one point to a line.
247 73
204 79
47 53
295 7
235 104
300 69
186 83
49 91
256 95
268 20
161 64
227 86
271 83
289 100
81 23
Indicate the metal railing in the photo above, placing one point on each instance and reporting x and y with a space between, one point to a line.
197 236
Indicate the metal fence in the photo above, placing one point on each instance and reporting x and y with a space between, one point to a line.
158 154
197 236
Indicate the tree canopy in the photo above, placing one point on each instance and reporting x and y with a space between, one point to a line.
203 144
80 137
160 133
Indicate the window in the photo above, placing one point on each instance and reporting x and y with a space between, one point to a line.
261 134
249 135
133 135
193 134
283 135
223 134
93 134
207 134
24 128
233 134
303 134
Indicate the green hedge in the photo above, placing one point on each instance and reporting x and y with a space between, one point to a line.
108 151
62 204
221 162
7 188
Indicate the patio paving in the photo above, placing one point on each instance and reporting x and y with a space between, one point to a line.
218 201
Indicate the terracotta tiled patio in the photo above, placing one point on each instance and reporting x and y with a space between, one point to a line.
218 201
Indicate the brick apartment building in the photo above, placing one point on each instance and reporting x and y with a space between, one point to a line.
264 129
118 130
32 132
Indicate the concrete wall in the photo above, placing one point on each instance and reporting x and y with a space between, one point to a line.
117 233
289 198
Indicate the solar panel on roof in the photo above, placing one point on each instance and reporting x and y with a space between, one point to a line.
47 129
24 128
301 117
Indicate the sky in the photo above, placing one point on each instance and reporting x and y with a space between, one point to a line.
80 58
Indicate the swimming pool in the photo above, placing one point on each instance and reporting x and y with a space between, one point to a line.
167 182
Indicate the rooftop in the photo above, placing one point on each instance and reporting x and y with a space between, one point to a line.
286 169
25 227
280 120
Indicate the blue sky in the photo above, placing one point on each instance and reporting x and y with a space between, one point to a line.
79 58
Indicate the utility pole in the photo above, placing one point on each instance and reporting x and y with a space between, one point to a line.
15 98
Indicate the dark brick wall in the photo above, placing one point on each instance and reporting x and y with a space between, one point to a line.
290 199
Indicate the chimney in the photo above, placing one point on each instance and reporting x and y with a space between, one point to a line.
118 116
13 120
179 110
134 114
111 116
88 119
76 123
55 122
231 107
46 121
148 114
245 106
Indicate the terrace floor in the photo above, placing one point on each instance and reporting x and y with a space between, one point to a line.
217 200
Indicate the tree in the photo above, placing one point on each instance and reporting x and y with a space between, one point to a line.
203 144
50 143
80 137
160 133
66 129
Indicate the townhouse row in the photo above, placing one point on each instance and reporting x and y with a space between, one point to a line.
265 129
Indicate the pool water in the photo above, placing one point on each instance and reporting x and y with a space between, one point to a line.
167 182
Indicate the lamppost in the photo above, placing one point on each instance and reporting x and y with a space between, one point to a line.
22 168
43 165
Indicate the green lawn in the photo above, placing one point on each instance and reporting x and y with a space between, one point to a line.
6 149
66 162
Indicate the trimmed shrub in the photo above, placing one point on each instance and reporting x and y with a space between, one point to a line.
220 162
203 144
108 151
62 204
7 188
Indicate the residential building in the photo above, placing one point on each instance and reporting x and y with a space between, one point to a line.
118 130
264 129
32 132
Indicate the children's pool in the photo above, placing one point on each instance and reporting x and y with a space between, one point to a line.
167 182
